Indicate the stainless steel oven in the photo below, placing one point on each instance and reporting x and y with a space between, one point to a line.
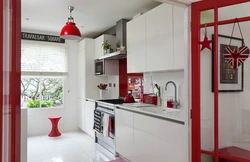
99 67
107 108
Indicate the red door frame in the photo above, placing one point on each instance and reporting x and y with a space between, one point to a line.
15 81
1 79
14 63
196 8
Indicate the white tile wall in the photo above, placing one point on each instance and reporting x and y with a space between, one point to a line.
161 78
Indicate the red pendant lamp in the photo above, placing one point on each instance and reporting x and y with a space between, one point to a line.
70 30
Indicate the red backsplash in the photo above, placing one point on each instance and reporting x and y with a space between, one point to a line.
123 77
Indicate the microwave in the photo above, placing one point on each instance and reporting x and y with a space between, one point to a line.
106 67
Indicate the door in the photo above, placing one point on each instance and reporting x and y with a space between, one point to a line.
136 42
159 38
89 118
10 59
124 125
220 93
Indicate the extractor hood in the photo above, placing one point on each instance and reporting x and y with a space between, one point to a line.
121 40
115 55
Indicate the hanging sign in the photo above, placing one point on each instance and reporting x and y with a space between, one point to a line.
236 57
205 43
42 37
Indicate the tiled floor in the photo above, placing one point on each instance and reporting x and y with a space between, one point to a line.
70 147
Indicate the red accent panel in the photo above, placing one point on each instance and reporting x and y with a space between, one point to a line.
15 78
123 77
1 79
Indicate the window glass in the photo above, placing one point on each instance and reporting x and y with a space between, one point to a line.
42 92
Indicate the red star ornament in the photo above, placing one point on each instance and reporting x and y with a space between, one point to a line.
205 43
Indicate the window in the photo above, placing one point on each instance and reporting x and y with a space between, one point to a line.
42 92
44 69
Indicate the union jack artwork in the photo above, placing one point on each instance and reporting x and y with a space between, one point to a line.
236 57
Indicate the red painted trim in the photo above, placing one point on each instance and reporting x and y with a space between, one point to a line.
225 22
210 4
195 84
207 152
1 80
197 7
216 87
15 78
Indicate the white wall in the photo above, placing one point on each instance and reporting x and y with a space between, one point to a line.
38 122
234 109
161 78
113 92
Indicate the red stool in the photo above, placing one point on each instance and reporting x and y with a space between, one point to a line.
54 131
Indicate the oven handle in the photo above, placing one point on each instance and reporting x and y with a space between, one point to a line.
104 111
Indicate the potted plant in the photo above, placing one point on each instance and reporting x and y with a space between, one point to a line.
103 90
106 46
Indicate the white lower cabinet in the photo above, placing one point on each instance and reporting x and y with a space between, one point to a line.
158 140
141 138
124 133
89 117
81 114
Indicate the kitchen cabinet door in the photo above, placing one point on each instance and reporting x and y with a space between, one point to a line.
136 45
180 41
99 41
159 36
81 72
158 140
81 114
89 118
124 133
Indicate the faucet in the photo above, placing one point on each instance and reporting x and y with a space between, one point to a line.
175 102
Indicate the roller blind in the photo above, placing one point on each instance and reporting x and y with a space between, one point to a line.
43 58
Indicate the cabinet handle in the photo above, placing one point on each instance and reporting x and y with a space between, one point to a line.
87 100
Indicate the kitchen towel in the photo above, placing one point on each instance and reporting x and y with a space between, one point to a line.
105 124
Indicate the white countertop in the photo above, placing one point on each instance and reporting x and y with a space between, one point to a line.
171 114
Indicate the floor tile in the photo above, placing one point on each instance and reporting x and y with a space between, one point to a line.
37 154
70 147
87 145
79 157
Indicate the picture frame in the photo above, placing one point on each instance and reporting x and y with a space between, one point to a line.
230 80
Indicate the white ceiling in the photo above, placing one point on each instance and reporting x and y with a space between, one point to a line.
49 16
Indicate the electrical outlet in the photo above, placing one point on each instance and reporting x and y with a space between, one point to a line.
113 84
110 84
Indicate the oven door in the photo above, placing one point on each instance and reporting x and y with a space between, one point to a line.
99 67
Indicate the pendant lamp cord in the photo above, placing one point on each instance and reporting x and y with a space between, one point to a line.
70 19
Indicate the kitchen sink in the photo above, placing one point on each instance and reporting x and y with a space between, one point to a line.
159 110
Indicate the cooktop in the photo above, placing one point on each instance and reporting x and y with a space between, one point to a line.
113 101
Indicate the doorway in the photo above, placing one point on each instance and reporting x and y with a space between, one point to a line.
220 93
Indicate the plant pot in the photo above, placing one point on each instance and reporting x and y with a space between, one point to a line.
103 94
106 51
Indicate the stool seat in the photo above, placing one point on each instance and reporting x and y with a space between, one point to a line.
54 121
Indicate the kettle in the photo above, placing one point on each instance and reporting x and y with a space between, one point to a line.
129 98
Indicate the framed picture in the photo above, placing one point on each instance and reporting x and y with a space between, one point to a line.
230 80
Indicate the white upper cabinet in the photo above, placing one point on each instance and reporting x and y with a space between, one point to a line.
156 40
99 41
136 45
159 38
180 40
